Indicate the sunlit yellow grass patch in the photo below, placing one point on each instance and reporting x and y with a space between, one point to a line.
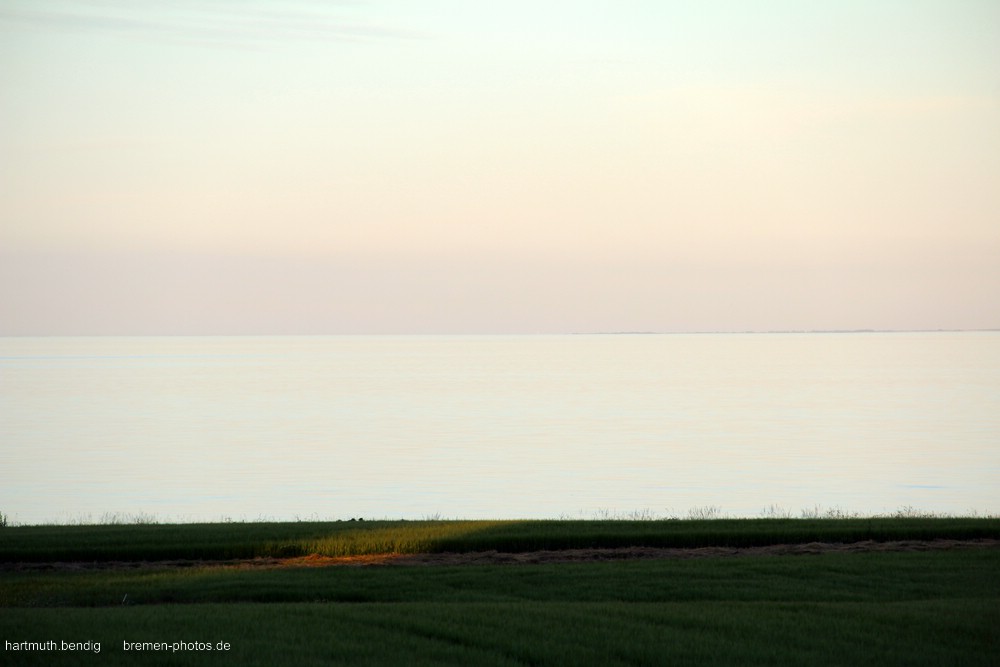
395 538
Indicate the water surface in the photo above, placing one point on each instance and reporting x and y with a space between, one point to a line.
188 428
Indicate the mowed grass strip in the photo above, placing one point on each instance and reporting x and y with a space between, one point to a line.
253 540
920 632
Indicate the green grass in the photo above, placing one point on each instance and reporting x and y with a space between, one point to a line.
873 608
864 577
927 632
250 540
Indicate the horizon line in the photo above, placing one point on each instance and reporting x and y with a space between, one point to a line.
567 333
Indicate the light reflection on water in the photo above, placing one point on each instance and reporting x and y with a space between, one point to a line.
498 427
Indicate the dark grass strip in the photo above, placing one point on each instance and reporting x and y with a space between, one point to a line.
922 632
251 540
852 577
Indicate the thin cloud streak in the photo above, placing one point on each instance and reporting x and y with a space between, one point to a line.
218 26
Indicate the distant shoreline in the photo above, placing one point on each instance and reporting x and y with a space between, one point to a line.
512 335
778 331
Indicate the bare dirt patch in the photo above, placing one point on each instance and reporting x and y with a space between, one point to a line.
653 553
523 558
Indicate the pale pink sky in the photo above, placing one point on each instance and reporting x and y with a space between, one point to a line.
481 167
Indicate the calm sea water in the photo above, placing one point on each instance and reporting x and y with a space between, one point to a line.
509 426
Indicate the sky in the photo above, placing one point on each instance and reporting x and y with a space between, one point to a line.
464 166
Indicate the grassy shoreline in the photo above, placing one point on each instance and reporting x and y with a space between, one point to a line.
290 539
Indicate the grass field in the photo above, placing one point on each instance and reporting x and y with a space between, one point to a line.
340 538
925 607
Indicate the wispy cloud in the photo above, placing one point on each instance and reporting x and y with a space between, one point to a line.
231 24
